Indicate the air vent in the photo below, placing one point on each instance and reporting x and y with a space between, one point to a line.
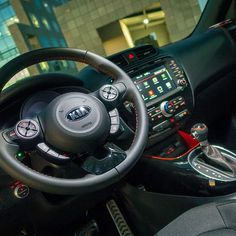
144 51
119 61
232 31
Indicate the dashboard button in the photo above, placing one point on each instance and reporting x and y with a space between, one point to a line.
21 191
10 135
181 115
162 126
158 128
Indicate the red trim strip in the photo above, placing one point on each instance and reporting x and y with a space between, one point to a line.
189 141
170 158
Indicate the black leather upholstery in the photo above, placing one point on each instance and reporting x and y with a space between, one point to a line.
215 219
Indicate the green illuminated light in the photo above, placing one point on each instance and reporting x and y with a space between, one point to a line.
20 155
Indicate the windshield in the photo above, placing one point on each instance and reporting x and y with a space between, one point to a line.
104 27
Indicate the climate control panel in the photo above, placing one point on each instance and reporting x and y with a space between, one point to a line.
167 114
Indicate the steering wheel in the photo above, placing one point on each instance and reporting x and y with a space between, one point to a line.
76 124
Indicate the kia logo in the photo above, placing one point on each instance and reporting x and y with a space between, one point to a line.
78 113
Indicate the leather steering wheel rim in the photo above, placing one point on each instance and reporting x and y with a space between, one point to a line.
90 183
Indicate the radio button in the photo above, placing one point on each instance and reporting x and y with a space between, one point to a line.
162 126
182 115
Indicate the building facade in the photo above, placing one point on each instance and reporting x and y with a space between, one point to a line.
8 48
109 26
37 27
31 24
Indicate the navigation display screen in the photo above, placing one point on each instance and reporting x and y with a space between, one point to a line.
154 83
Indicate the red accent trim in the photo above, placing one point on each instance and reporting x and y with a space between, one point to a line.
170 158
189 141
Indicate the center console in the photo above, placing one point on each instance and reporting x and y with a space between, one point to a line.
166 93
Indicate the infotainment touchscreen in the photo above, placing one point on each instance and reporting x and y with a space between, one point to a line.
154 83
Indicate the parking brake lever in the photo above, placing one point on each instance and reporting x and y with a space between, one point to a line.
213 156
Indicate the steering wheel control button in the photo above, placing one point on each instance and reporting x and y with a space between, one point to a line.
109 92
43 147
27 129
114 129
10 135
115 121
113 113
63 157
21 191
51 154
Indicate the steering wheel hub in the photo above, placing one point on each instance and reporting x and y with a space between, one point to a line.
76 123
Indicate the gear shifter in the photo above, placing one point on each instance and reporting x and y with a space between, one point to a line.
213 156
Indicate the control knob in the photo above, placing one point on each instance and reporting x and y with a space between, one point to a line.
182 82
167 108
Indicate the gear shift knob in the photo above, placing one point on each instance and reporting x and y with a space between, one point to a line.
213 156
200 131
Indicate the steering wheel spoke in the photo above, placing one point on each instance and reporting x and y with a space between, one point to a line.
99 165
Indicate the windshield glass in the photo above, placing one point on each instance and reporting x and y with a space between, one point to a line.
104 27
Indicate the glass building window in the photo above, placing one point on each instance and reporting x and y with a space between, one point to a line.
8 49
54 42
44 41
55 26
48 8
46 24
62 42
34 20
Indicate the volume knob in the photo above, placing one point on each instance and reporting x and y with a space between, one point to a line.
167 108
182 82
